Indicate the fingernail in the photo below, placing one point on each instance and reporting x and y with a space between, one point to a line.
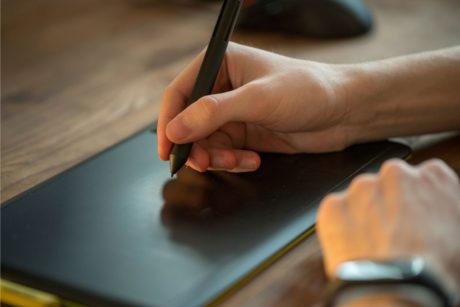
248 164
178 129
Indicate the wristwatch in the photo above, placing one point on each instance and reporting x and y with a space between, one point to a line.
406 278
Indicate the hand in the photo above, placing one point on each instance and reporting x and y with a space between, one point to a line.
402 211
266 102
261 102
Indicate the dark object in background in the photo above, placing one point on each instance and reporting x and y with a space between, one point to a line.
313 18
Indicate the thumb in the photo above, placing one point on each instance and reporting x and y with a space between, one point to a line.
209 113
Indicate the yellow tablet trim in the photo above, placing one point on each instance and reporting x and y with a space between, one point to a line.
257 270
14 294
18 295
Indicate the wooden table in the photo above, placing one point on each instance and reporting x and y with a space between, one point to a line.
79 76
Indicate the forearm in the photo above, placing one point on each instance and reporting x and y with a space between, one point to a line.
403 96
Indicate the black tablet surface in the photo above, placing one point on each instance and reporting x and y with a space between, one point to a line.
117 230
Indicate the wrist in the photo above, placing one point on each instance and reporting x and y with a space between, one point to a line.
406 296
406 280
363 97
447 274
359 95
403 96
336 85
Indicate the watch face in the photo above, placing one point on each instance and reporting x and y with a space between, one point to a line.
396 270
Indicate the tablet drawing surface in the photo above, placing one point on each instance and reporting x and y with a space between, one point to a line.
116 229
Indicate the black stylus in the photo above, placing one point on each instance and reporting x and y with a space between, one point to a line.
208 71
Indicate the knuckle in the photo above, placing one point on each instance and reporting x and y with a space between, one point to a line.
361 183
435 165
167 93
328 206
258 88
329 212
331 200
438 168
208 107
393 169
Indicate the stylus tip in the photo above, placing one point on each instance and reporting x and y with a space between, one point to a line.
175 164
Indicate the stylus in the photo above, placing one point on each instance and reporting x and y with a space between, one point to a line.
208 71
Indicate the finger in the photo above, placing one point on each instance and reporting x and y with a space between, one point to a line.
174 100
362 190
206 115
363 199
233 160
221 159
246 161
396 181
439 169
331 228
331 211
198 158
394 171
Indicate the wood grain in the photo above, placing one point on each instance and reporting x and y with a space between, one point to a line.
78 80
79 76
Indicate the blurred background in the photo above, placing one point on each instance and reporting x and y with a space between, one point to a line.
79 76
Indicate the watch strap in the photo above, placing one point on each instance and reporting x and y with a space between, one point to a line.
365 273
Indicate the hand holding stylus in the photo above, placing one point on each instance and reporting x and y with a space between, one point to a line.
209 69
262 101
251 110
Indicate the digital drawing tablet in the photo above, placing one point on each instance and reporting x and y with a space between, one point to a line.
117 230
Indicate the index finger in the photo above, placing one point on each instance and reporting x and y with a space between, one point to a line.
174 101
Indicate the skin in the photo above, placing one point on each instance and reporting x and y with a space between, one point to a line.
228 133
267 102
408 211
